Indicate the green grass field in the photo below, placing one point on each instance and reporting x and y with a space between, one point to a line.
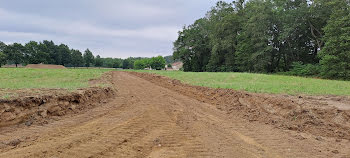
21 78
276 84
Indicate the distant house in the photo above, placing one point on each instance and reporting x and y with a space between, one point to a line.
177 65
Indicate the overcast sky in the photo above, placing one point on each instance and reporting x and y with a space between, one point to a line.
110 28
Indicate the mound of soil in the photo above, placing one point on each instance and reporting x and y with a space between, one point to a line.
32 109
44 66
29 107
298 113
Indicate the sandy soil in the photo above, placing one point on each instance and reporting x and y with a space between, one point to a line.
158 117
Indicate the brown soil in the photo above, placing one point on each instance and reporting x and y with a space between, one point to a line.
313 115
39 105
37 109
154 116
44 66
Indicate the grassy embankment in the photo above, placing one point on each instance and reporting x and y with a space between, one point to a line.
20 78
261 83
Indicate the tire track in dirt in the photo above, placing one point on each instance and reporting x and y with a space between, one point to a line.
146 120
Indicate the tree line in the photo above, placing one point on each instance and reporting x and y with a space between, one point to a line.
47 52
299 37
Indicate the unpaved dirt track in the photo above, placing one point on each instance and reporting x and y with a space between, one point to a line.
145 120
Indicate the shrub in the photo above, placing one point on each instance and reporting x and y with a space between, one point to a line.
299 69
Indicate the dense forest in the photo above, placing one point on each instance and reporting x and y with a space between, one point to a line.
47 52
297 37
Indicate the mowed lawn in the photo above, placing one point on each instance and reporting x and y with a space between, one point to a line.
261 83
23 78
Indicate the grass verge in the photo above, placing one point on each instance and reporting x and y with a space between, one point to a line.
23 78
260 83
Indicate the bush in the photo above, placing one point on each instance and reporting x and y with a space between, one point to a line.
139 64
299 69
157 63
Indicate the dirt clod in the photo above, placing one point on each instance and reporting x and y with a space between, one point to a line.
28 123
14 142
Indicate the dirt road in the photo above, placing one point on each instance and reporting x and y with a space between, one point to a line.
146 120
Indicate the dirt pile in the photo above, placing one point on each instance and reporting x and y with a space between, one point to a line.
31 109
45 66
37 105
286 112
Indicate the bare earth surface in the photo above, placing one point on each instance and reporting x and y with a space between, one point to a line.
45 66
148 120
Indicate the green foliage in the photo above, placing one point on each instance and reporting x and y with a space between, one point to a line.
3 59
128 63
157 63
34 54
77 58
268 36
98 61
298 69
169 59
89 58
192 46
111 62
48 52
335 56
64 51
15 53
139 64
3 56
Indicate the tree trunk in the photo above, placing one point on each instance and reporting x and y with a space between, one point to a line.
317 39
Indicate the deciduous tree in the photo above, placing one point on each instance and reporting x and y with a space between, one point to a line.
335 56
15 53
88 58
77 58
3 59
98 61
